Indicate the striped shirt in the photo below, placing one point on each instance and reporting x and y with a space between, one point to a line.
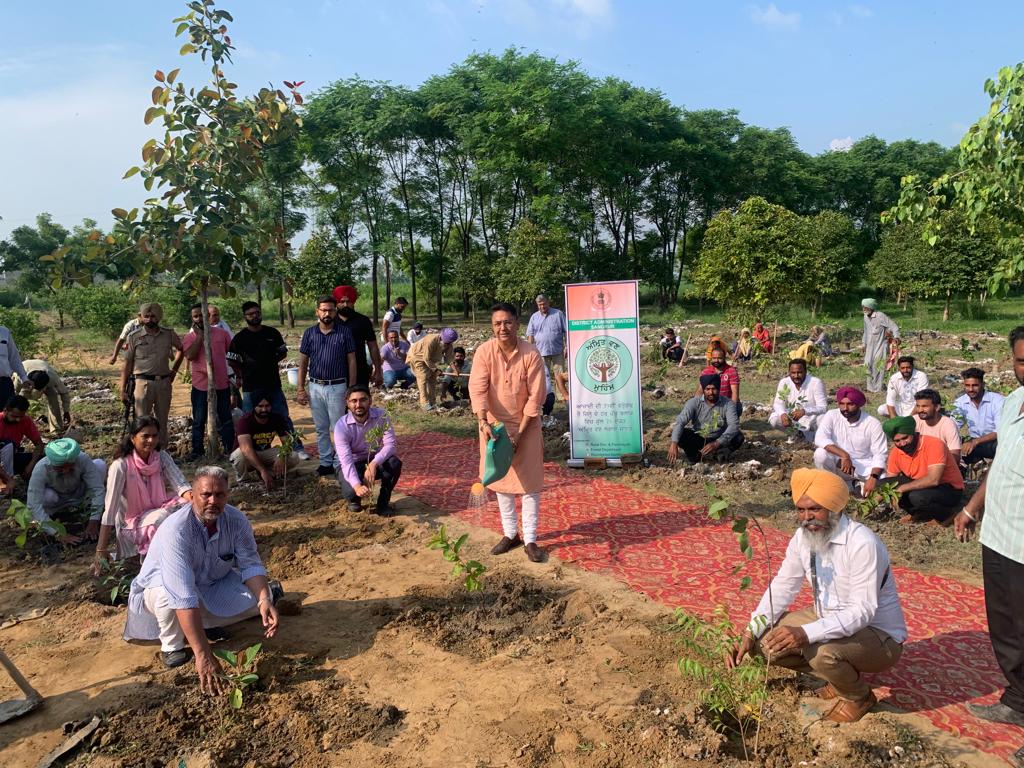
1003 529
327 352
548 331
196 569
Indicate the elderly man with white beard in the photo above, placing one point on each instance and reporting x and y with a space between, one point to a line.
856 624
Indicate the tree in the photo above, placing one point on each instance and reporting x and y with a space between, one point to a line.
321 263
539 261
986 183
957 264
204 227
756 257
835 262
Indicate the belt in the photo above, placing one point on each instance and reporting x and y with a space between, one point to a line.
150 377
328 382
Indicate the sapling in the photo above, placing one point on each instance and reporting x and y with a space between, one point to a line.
733 698
286 449
706 430
374 442
966 353
798 404
241 671
117 577
471 570
884 494
19 513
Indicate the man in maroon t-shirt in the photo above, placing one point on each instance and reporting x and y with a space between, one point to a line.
15 426
730 377
256 450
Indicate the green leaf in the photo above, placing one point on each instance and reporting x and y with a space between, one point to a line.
130 172
236 698
462 540
20 539
248 679
181 28
745 582
251 652
186 49
225 655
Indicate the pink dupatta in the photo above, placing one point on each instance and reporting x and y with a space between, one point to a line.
147 499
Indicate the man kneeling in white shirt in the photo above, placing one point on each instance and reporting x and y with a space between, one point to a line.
856 624
799 401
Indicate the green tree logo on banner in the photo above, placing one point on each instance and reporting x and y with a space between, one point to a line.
604 365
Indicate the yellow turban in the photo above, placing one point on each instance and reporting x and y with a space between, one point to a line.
824 487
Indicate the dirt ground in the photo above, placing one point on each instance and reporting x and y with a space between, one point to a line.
389 662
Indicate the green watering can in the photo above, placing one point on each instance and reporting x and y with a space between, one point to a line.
498 456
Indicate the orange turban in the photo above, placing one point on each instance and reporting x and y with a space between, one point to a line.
827 489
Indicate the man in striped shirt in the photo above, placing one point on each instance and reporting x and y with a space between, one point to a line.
1001 500
327 353
202 572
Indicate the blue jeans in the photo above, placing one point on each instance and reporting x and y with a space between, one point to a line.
393 377
225 426
328 405
278 405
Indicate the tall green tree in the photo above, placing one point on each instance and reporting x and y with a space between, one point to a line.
204 227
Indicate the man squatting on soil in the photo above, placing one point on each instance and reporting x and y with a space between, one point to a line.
189 585
856 624
507 385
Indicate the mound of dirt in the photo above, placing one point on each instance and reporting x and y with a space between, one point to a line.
289 718
480 624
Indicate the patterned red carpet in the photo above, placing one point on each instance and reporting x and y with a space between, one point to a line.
676 556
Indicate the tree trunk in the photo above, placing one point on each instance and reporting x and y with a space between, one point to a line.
465 304
373 279
440 279
213 451
945 309
280 306
259 294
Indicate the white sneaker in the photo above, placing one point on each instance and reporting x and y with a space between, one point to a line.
303 456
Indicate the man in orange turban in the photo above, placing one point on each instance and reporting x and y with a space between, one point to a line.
856 623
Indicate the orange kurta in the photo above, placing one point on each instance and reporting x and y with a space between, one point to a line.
508 389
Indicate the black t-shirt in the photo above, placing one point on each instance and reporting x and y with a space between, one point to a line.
258 353
361 328
262 434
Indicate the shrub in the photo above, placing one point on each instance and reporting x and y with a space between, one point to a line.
10 297
24 328
102 308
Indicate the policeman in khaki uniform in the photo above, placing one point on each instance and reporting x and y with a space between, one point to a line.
146 362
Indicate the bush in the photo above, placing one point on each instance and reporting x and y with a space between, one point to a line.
102 308
24 328
10 297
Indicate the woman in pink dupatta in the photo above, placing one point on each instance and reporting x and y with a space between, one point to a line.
143 487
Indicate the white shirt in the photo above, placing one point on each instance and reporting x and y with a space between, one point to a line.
851 592
413 336
900 392
787 395
863 440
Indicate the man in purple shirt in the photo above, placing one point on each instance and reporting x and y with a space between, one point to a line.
392 356
364 440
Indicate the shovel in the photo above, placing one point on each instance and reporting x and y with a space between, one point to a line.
18 707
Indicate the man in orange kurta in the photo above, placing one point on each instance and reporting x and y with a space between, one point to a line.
507 385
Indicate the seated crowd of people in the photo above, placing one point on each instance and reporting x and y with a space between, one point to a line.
927 461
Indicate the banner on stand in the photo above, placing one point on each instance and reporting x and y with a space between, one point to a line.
605 417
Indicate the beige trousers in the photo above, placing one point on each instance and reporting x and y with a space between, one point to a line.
153 398
841 661
426 381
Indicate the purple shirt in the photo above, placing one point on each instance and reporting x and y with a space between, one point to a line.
350 442
394 359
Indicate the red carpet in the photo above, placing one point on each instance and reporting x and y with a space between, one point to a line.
675 555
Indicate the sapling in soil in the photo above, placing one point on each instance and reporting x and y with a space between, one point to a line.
286 449
470 570
241 671
884 495
30 528
116 576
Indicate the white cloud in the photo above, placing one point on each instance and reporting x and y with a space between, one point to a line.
772 17
841 145
862 11
595 10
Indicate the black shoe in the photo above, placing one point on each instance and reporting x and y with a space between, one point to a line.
386 511
172 659
324 471
276 591
354 506
506 544
217 634
997 713
1017 758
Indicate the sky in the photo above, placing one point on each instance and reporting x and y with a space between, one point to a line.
75 76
